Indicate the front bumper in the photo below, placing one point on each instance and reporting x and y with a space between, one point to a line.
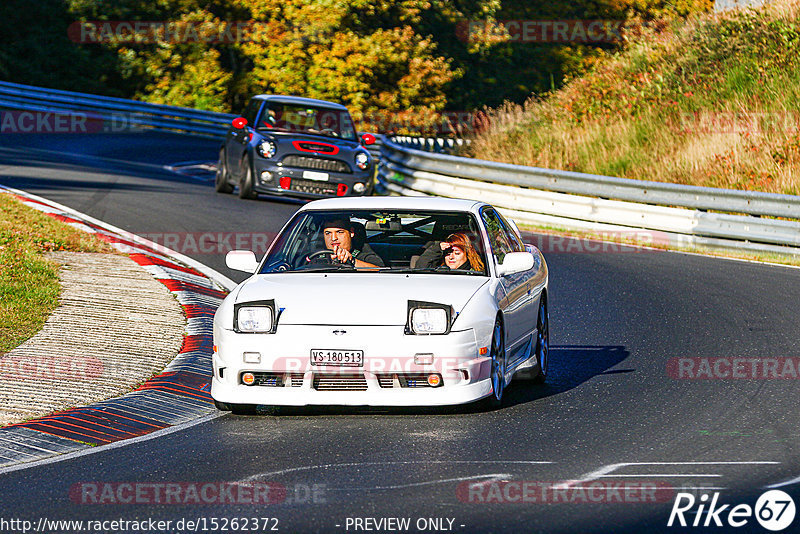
304 187
388 353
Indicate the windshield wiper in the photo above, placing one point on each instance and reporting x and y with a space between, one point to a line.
438 270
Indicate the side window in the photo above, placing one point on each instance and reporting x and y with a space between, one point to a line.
513 238
498 236
251 111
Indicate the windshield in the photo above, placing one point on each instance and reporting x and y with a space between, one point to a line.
279 117
446 243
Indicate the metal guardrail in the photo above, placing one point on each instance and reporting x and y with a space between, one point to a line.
680 214
128 113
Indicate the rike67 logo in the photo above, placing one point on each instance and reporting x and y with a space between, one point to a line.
774 510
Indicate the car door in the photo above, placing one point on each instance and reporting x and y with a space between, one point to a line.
238 139
516 304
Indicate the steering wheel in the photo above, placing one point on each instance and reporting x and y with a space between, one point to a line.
318 254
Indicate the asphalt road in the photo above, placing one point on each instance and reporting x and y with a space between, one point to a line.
611 412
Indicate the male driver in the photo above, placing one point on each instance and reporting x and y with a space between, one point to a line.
339 233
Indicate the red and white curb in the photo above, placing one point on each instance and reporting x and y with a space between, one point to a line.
176 397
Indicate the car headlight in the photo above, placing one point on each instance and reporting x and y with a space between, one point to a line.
362 160
428 318
254 317
267 148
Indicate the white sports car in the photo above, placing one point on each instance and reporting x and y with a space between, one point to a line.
383 301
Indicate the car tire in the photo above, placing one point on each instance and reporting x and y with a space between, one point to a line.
222 406
243 409
221 183
498 372
246 185
542 342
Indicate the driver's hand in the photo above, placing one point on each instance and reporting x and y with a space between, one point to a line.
341 254
444 245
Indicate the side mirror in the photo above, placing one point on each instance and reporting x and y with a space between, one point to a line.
239 123
367 139
241 260
515 262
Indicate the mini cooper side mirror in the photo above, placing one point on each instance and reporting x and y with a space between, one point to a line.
241 260
515 262
367 139
239 123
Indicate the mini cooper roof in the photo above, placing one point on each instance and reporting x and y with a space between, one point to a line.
301 101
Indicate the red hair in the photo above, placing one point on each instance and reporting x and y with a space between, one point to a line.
461 241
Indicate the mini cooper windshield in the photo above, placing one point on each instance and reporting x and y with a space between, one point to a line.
293 118
447 243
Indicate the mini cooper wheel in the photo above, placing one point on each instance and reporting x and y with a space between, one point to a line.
542 342
221 183
498 370
246 185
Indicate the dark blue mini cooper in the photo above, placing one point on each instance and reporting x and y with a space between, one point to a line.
288 145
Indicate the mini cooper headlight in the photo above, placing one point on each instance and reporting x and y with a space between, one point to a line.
362 160
267 148
428 318
254 317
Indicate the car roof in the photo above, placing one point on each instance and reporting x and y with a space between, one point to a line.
300 100
405 203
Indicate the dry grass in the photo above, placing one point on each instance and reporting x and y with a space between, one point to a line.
713 101
29 286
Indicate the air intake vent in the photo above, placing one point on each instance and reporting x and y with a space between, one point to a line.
324 382
317 164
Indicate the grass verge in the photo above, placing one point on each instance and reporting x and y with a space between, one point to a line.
712 100
29 284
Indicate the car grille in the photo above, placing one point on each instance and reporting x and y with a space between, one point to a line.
404 380
317 164
278 380
313 186
324 382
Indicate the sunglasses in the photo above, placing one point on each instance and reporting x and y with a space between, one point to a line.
449 250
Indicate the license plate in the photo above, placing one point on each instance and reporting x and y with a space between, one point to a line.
319 176
349 358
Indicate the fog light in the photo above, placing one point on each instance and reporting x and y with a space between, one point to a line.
423 359
434 380
248 379
252 357
266 176
359 187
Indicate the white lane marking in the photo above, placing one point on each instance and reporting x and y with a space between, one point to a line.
495 477
661 475
606 470
256 477
782 484
115 445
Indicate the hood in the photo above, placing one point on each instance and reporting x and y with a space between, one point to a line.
359 299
